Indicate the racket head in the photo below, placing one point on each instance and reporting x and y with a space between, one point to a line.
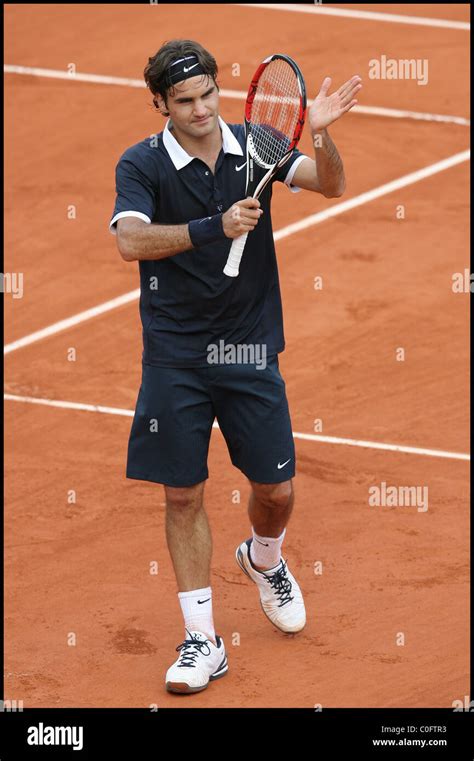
275 111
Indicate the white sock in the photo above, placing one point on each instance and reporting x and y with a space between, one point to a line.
196 607
265 551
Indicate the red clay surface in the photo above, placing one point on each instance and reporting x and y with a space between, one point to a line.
84 568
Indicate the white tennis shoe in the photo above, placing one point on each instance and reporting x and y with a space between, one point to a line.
280 595
199 662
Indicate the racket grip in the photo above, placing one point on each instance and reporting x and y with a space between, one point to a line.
231 268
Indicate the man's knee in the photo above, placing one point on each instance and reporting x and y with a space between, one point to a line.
276 496
184 498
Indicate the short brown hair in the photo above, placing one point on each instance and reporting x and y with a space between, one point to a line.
155 72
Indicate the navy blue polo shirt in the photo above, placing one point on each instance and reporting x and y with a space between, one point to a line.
186 301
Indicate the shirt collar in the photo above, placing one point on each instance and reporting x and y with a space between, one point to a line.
181 158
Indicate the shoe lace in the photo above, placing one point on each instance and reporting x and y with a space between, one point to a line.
190 649
281 584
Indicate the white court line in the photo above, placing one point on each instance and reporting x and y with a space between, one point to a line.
305 436
303 224
380 445
382 190
394 113
98 79
393 18
69 405
397 113
58 327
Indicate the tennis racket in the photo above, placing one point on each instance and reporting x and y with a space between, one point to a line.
274 119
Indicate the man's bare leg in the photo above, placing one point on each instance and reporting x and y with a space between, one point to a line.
270 507
188 536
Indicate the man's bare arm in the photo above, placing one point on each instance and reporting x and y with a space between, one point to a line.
326 174
137 240
329 168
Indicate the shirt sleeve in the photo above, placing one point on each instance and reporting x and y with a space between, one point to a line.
287 171
136 188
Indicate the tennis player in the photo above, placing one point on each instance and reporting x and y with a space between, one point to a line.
210 342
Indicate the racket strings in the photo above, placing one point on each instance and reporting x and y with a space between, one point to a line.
275 111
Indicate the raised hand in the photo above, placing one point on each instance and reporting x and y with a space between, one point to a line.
325 108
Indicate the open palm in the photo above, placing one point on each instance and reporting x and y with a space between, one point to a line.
325 108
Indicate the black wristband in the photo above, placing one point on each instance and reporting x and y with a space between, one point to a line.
206 230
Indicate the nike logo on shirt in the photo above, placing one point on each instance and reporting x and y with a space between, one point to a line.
238 168
283 464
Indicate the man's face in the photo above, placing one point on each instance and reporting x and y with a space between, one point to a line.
194 106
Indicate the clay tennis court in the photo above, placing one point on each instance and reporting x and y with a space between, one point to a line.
87 624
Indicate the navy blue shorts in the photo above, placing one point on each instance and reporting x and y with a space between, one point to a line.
176 407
